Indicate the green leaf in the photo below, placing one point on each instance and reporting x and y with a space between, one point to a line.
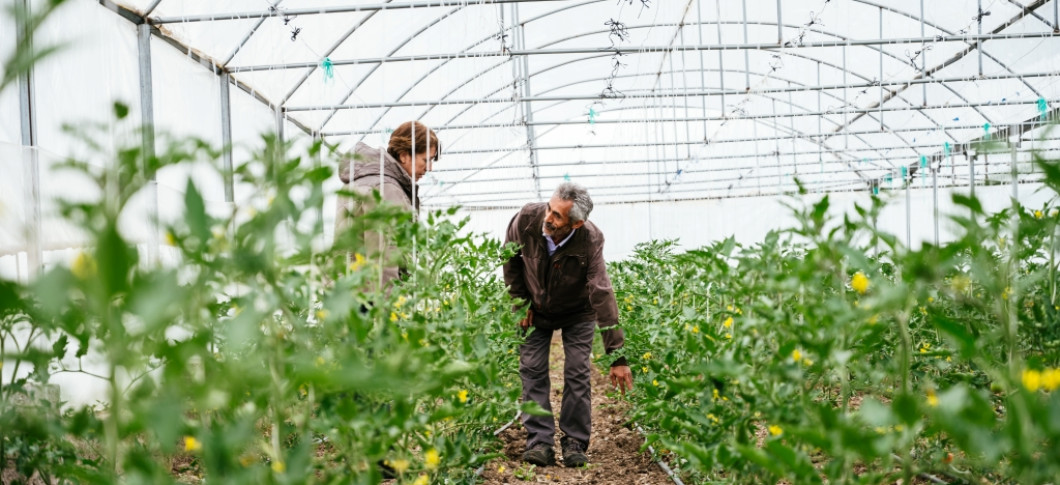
534 409
195 212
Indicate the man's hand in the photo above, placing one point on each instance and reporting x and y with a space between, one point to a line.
621 378
529 320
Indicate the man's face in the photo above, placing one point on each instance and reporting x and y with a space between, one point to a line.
557 219
422 165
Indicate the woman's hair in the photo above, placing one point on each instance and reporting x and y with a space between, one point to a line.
401 140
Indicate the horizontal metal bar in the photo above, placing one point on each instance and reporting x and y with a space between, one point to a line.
723 193
328 10
785 135
597 97
623 198
644 50
809 165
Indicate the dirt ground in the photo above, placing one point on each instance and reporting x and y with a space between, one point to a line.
614 455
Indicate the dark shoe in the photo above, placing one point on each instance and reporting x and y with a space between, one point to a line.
574 453
541 455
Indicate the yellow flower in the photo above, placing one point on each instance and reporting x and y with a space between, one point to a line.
873 319
932 399
712 418
655 301
171 240
501 469
400 301
961 283
319 361
796 355
923 310
644 369
729 308
462 396
421 480
716 394
775 430
1051 379
1032 380
358 262
629 308
807 362
860 282
1006 293
647 356
84 266
695 329
278 466
322 314
393 317
655 382
727 323
1037 214
400 465
432 459
191 444
728 336
924 348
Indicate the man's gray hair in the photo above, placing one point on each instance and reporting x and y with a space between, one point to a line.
583 204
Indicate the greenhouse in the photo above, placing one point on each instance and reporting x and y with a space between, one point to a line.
297 241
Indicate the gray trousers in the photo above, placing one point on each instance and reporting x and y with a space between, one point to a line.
575 416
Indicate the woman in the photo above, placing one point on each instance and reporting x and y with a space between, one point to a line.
403 164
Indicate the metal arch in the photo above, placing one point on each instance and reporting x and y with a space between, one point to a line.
889 9
490 68
435 69
821 139
961 55
151 8
246 38
347 36
776 127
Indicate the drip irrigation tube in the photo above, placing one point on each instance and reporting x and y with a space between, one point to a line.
662 465
479 470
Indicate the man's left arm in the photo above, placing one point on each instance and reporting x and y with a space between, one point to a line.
602 299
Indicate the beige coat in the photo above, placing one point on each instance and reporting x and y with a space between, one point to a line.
396 189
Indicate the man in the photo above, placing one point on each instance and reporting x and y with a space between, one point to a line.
560 271
400 171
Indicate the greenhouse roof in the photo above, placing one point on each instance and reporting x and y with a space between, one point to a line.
643 100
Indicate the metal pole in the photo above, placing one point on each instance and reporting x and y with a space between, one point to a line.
531 139
278 114
226 138
746 53
776 146
882 126
971 174
923 65
908 210
780 26
979 45
1015 171
30 158
147 115
820 147
935 195
846 104
293 12
721 58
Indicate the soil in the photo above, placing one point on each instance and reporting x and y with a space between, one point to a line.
614 452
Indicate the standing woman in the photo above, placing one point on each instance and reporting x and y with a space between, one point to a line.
393 177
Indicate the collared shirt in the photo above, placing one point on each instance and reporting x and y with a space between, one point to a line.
552 247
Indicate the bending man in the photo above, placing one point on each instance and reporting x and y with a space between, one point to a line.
560 271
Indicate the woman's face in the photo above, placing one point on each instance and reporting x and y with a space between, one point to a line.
422 165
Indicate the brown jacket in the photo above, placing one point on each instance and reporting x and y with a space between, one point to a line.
569 287
396 189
